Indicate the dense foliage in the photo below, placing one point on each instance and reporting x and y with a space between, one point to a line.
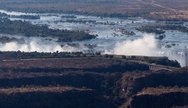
159 28
27 29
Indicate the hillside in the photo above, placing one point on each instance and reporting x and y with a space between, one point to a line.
54 80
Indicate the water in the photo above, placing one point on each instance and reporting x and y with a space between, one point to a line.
109 31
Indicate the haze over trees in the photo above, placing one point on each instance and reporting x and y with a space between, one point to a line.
154 9
27 29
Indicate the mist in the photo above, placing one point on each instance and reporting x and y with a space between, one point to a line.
13 13
146 46
37 44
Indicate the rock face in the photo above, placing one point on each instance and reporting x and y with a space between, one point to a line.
167 100
69 99
156 90
89 82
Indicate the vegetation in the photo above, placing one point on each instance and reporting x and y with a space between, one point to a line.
69 99
159 28
164 61
27 29
99 64
83 80
149 29
156 9
168 100
27 16
5 39
78 80
154 60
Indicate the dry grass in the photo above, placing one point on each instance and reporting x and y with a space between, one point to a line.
162 90
58 63
31 89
